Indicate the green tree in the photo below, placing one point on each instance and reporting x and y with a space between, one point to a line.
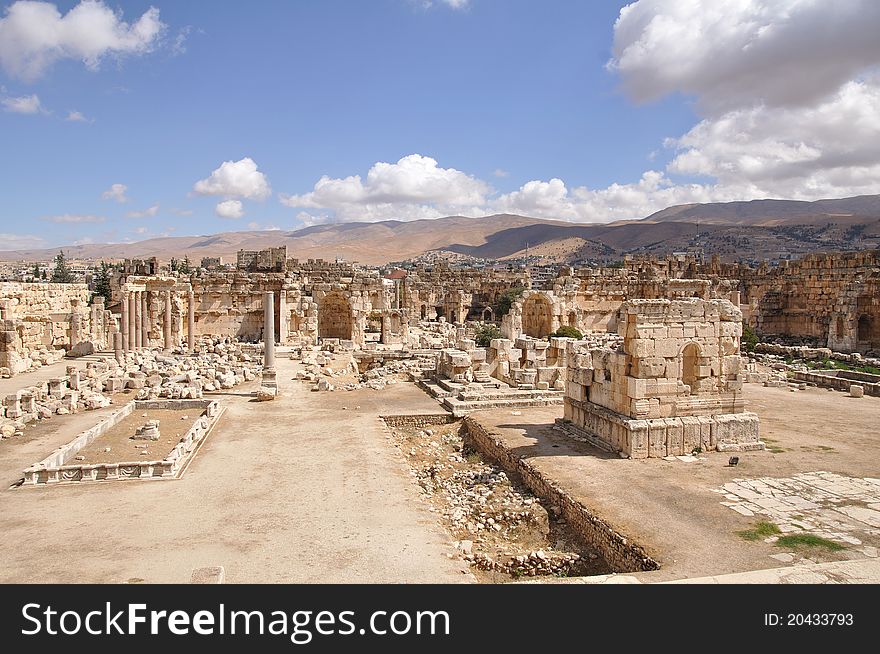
183 267
36 272
174 265
507 299
485 334
749 338
567 331
61 274
102 283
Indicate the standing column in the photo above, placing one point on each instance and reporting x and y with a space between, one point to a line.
138 321
283 317
168 321
117 347
269 340
145 313
191 322
75 329
123 323
93 327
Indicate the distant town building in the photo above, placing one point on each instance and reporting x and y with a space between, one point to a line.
269 260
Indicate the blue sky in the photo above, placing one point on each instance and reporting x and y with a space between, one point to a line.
410 109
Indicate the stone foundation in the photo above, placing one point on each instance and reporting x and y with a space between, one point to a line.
659 437
621 553
56 469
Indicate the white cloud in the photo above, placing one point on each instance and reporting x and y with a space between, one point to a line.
178 46
116 192
826 150
21 242
77 117
26 104
414 187
229 209
146 213
253 225
86 240
738 53
74 218
140 230
452 4
236 179
654 191
34 35
501 173
182 212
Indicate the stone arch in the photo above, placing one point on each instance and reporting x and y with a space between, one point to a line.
572 319
537 316
488 314
335 317
690 366
423 311
864 328
840 327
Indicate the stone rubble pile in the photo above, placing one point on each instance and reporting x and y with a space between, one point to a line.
482 508
37 359
150 374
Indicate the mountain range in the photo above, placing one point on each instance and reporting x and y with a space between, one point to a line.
759 229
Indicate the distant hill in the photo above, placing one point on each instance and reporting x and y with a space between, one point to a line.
769 213
760 229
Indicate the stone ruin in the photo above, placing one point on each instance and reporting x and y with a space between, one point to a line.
672 387
149 431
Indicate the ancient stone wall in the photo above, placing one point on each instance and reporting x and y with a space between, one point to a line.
617 549
831 299
672 386
39 320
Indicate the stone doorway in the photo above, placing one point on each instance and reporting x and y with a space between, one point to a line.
537 316
334 317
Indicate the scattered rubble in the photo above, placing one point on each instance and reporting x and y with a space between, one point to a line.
150 374
501 529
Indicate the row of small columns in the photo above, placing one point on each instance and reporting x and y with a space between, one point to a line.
134 322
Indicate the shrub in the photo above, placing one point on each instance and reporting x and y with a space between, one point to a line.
507 299
567 332
749 338
485 334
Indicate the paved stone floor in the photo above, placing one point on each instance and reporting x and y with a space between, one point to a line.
836 507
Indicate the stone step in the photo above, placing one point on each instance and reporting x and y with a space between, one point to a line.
433 389
508 394
460 408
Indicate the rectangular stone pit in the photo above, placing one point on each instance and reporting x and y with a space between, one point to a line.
61 466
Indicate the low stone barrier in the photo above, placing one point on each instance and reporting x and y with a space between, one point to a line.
619 551
55 469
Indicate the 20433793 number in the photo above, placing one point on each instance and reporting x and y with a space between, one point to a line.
809 619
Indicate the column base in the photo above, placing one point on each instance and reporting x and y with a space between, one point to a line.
269 378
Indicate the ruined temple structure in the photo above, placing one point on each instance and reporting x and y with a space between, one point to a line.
39 323
671 386
155 311
832 300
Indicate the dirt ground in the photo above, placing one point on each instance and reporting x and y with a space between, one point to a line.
674 509
298 490
173 424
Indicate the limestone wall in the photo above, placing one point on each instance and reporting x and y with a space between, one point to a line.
37 322
621 553
673 385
